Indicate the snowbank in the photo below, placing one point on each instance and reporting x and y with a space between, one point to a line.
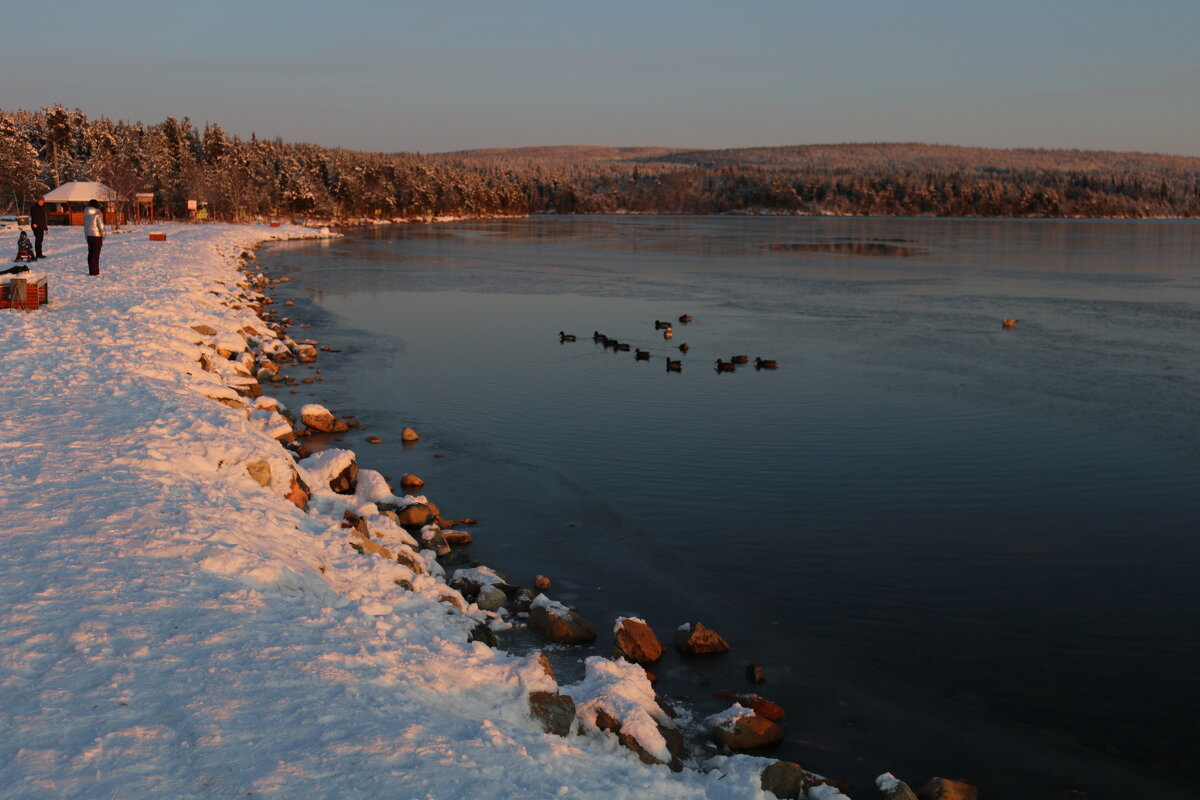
172 626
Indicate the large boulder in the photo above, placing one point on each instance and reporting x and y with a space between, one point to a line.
556 622
556 712
635 641
693 639
318 418
415 515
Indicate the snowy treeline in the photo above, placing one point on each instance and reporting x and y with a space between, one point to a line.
242 179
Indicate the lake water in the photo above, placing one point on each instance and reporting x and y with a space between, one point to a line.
956 549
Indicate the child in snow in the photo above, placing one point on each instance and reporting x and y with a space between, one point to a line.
24 248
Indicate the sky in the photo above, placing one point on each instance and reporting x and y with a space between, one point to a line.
464 74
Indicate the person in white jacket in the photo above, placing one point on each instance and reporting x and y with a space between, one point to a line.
93 230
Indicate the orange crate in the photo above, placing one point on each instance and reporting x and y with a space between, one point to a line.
36 294
158 237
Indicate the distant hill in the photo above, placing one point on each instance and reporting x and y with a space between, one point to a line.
884 179
870 157
564 154
238 179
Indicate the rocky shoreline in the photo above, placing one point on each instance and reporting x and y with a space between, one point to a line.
410 530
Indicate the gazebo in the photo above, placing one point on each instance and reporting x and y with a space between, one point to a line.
71 198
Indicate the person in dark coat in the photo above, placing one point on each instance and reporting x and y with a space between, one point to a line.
93 231
37 219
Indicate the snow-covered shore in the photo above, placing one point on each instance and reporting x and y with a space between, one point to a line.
171 627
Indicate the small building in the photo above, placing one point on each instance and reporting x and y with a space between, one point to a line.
69 200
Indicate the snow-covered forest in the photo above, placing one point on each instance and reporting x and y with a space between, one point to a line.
239 179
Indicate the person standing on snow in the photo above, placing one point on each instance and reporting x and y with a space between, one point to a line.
37 220
93 230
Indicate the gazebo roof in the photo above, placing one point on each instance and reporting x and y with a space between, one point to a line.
80 192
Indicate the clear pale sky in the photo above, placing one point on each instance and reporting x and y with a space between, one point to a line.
449 75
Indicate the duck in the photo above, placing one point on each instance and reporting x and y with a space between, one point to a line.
609 343
641 355
685 319
1008 323
597 336
659 325
739 359
566 337
674 366
725 366
683 348
667 334
765 363
621 347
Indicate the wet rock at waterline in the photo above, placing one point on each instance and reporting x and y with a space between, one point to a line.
431 539
491 598
557 623
787 780
761 706
892 788
747 732
635 641
693 639
415 515
317 418
947 789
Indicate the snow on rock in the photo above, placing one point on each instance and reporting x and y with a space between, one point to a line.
327 470
229 344
195 634
621 691
317 417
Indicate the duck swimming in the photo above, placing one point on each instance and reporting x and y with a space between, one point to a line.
739 359
641 355
764 363
725 366
659 325
674 366
566 337
685 319
1008 323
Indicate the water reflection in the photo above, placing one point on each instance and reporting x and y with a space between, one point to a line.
1007 516
848 248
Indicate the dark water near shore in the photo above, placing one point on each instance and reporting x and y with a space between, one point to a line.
924 526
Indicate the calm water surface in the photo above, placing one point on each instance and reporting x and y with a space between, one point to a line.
924 526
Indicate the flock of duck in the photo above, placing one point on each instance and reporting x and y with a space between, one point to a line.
673 364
